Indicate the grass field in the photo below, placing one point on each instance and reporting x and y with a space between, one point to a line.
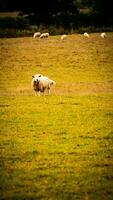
57 147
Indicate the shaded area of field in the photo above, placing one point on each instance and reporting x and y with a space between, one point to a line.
60 146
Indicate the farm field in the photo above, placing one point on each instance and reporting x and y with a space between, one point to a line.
57 147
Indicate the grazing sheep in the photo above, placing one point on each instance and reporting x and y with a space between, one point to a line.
63 37
41 83
37 34
44 35
103 35
86 35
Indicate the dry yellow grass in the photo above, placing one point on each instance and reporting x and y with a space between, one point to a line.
57 147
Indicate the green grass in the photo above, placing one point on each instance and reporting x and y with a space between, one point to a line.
57 147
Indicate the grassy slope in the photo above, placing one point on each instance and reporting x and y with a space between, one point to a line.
58 146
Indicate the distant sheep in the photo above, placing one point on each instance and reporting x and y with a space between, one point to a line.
86 35
44 35
103 35
41 84
63 37
37 34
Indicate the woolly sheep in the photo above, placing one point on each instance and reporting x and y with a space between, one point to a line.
41 83
44 35
103 35
86 35
63 37
37 34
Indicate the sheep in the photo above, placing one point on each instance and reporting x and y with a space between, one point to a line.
63 37
37 34
44 35
103 35
42 83
86 35
34 82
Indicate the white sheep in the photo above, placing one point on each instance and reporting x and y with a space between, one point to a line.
44 35
41 84
103 35
37 34
63 37
86 35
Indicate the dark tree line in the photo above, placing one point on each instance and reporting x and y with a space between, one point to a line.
39 6
63 12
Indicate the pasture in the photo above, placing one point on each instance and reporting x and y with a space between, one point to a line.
57 147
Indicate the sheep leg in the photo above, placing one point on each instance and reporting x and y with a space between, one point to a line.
36 93
48 91
39 94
